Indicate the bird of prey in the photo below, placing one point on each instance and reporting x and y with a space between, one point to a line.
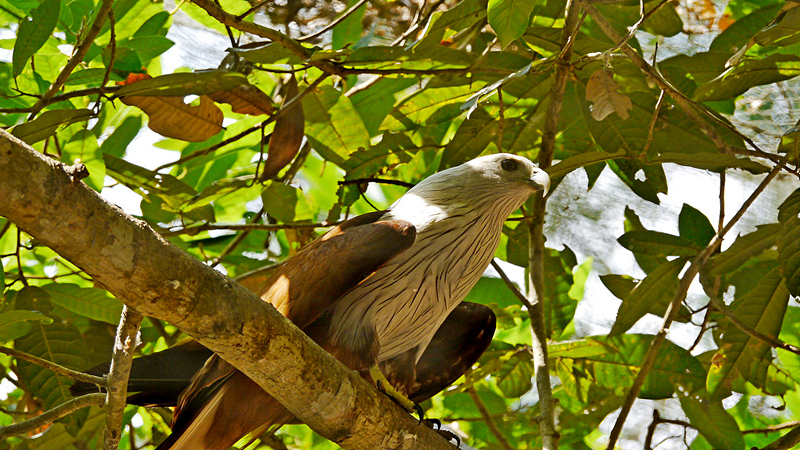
372 291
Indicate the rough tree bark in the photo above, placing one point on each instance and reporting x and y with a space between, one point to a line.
146 272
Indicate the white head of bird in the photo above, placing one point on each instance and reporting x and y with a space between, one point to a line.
499 183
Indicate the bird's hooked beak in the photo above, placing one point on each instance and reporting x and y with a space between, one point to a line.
540 180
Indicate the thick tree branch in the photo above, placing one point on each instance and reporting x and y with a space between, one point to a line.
158 279
125 343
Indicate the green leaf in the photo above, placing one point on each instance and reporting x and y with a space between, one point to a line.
762 310
427 107
560 309
116 144
656 243
33 32
333 125
471 139
375 103
16 323
566 166
694 226
59 342
712 421
789 253
47 124
509 18
349 30
280 201
89 77
96 304
743 249
783 31
514 376
629 170
393 149
171 190
716 162
181 84
653 294
271 53
148 47
749 73
492 291
156 25
736 36
464 14
614 363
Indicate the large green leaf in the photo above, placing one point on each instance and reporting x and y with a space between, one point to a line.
34 30
762 310
17 323
48 123
712 421
694 226
393 149
181 84
59 342
614 362
427 107
742 30
656 243
743 249
651 295
96 304
783 31
716 162
147 182
749 73
472 137
333 126
509 18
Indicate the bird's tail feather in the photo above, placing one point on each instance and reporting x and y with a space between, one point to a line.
238 408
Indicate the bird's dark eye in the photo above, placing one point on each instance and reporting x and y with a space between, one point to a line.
509 165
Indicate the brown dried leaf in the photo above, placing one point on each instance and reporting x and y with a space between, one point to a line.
287 136
245 99
601 90
172 118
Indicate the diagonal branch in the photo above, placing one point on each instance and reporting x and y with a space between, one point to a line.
61 370
158 279
52 415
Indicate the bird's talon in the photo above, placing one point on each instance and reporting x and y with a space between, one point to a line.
435 424
420 412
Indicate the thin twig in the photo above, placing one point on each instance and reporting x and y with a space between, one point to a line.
653 120
773 428
785 442
125 343
335 22
59 369
487 418
680 296
77 56
511 286
377 180
193 230
52 415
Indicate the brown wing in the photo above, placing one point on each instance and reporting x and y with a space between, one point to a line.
320 273
456 346
221 404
